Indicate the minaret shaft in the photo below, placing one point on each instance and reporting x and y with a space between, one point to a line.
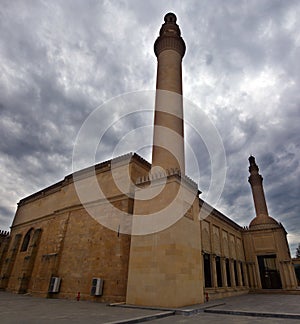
168 138
258 194
169 73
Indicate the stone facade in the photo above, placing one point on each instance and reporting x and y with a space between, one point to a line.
53 235
223 256
269 242
143 230
266 248
165 267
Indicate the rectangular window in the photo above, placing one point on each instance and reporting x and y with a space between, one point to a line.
219 271
228 273
235 273
207 270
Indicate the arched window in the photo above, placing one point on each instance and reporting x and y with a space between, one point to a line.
26 241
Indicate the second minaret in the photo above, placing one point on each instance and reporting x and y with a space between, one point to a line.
255 181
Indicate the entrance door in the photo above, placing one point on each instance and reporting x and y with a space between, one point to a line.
269 275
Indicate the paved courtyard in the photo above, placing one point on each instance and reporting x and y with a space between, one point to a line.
252 308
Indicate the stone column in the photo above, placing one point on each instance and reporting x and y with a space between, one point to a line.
239 273
245 272
283 274
292 276
289 275
257 283
251 275
223 269
232 275
214 271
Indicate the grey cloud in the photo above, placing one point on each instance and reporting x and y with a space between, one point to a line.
61 60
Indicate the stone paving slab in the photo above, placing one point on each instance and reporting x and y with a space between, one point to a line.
22 309
253 313
205 318
250 308
258 305
144 318
186 310
261 303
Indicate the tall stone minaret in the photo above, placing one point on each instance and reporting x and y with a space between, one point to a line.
255 181
266 239
168 141
165 262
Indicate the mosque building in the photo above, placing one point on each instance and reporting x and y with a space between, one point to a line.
157 249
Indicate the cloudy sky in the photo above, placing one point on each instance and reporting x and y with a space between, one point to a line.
62 59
